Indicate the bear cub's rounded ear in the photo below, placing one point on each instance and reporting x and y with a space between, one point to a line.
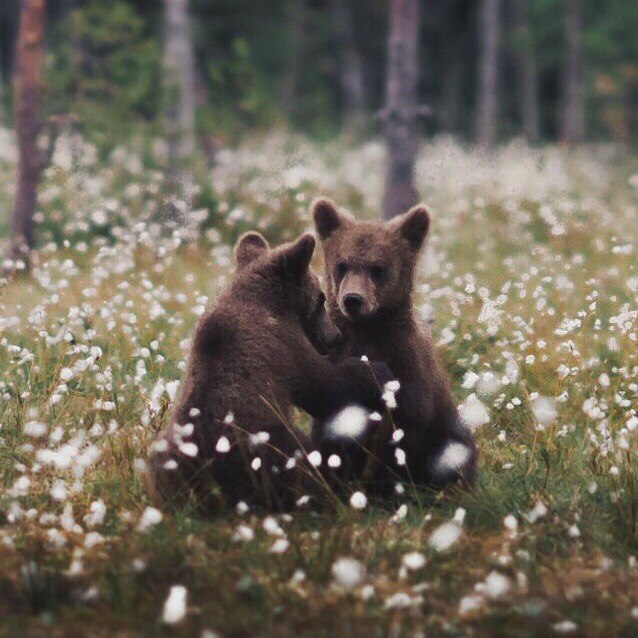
326 217
295 258
413 225
249 247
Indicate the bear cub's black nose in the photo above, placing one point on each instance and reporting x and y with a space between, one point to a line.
353 303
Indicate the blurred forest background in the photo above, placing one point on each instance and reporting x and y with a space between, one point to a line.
203 74
316 64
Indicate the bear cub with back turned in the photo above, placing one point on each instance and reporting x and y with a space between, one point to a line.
255 354
370 269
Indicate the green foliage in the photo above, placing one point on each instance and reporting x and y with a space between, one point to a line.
105 71
239 96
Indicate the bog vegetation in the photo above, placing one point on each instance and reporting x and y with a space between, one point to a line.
530 286
146 136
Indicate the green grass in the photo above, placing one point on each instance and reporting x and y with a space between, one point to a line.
534 279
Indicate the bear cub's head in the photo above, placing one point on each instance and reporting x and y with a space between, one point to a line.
284 276
369 265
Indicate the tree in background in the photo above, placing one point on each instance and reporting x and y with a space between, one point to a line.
104 71
526 65
573 113
489 39
454 53
27 98
296 12
179 71
350 67
400 115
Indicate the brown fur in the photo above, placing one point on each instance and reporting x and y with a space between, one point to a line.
370 270
255 355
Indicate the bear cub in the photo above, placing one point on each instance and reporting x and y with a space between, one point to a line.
369 272
256 353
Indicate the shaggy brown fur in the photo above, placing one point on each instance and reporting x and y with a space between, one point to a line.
255 355
370 271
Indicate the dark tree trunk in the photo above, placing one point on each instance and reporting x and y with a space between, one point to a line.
451 88
179 71
296 10
28 97
350 67
528 83
573 115
489 37
400 115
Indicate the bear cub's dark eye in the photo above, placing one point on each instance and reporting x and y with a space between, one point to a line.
377 272
341 269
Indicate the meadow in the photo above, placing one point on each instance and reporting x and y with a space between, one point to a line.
530 286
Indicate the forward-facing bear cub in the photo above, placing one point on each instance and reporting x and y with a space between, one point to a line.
370 269
254 355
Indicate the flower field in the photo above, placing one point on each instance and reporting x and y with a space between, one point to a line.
530 286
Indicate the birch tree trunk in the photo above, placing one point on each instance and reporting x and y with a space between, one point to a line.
27 100
489 37
350 68
573 113
528 83
400 115
179 70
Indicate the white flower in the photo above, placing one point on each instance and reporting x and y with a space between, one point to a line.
470 603
389 394
97 512
538 511
510 523
315 458
565 627
348 572
358 500
243 533
223 445
272 527
279 546
453 458
334 461
189 449
175 605
413 560
35 429
171 389
488 385
496 585
150 517
447 534
544 409
350 422
469 380
473 412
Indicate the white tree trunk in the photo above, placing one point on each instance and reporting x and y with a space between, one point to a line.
489 37
179 73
